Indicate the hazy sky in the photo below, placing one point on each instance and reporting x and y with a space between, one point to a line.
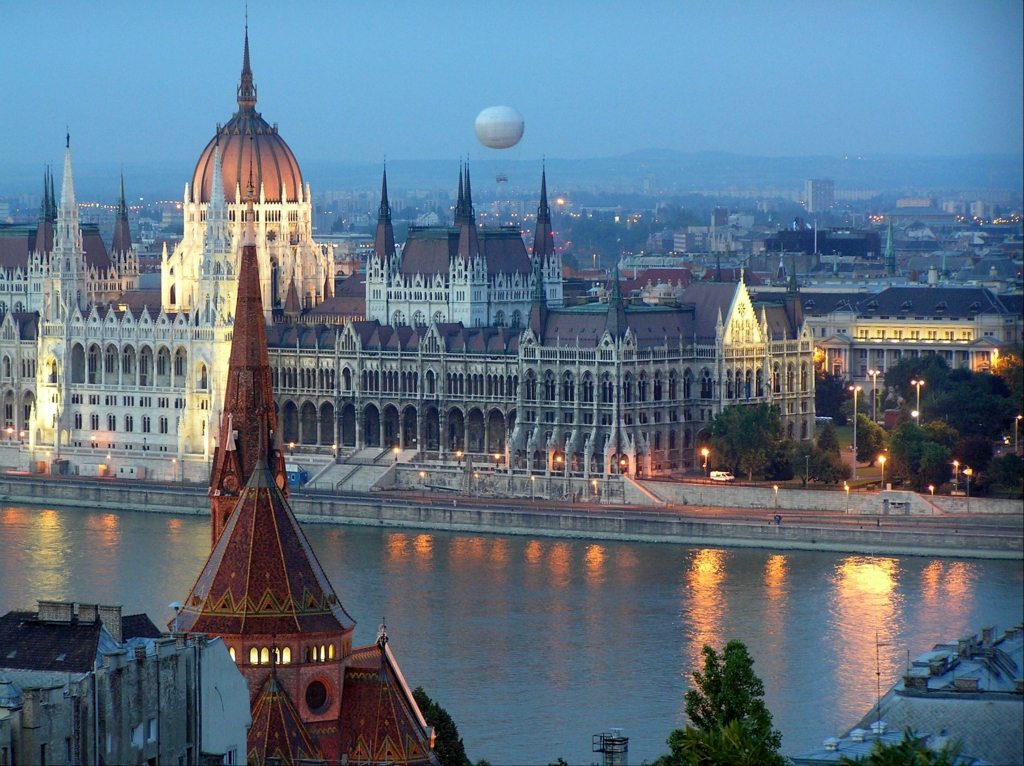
142 82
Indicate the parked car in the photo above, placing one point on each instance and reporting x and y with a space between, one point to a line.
722 476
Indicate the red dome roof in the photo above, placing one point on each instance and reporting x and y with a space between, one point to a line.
248 141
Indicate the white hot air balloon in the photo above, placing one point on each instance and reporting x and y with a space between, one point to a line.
499 127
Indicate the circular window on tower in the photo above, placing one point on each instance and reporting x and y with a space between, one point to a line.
316 697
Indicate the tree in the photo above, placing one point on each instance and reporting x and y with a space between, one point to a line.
906 443
828 440
974 451
734 744
1007 472
870 439
448 745
830 393
746 438
910 751
728 691
941 433
1010 367
804 458
932 369
974 403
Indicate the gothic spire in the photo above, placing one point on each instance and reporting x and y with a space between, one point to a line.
890 252
543 238
468 244
44 208
469 197
67 190
246 88
122 241
615 324
384 241
53 197
461 203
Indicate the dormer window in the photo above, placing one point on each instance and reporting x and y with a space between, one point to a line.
974 307
907 306
873 306
940 307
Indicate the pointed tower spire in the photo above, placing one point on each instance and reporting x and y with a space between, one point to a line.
44 208
543 237
67 189
890 252
53 197
384 241
615 324
470 213
246 93
460 203
44 230
122 241
468 245
248 422
66 233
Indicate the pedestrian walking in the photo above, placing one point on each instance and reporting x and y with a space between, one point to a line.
778 520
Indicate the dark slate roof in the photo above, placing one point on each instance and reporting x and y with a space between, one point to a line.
655 277
1014 303
137 300
26 643
707 298
820 304
429 250
947 301
28 324
17 241
779 325
138 626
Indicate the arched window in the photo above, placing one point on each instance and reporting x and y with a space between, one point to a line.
530 392
657 387
607 389
202 380
254 656
568 388
641 388
673 387
803 376
687 385
264 656
790 379
587 394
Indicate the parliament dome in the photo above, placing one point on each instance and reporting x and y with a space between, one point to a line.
248 141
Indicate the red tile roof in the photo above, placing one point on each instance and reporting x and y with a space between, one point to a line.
277 730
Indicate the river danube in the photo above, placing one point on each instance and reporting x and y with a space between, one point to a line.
535 644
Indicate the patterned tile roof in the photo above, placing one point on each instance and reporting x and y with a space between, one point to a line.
28 643
277 730
262 577
380 721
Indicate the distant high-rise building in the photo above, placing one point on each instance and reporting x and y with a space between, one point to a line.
819 194
720 216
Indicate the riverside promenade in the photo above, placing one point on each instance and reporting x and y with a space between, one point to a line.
993 536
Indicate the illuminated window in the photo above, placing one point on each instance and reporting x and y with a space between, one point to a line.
330 652
264 656
231 651
254 656
286 656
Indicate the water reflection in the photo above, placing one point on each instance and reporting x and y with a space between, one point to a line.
594 561
866 606
707 606
558 637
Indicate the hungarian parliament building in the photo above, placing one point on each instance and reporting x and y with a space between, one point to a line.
463 345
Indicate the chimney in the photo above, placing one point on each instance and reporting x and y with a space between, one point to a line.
987 634
87 613
110 616
56 611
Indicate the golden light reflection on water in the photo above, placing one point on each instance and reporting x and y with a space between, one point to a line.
704 580
423 545
397 547
594 561
866 606
559 564
533 552
775 577
50 556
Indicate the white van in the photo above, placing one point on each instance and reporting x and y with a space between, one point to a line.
722 476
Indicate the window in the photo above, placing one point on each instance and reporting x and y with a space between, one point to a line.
163 425
151 730
145 424
94 422
78 420
137 736
129 423
254 656
111 422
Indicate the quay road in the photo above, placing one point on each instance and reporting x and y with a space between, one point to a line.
985 536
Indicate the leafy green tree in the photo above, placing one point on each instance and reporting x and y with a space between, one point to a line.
735 744
974 403
448 746
830 393
974 451
870 439
830 468
1010 367
941 433
727 691
934 466
906 443
828 440
746 438
1007 472
910 751
932 369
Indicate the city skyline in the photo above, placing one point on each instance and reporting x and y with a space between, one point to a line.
850 79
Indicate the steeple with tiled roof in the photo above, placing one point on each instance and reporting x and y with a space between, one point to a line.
248 430
277 730
262 577
384 241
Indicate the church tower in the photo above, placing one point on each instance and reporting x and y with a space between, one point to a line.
544 248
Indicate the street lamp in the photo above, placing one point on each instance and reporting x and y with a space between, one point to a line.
856 390
1016 433
776 488
705 452
968 472
846 486
881 459
917 384
874 396
956 475
497 461
594 483
533 487
396 450
931 488
807 469
915 414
